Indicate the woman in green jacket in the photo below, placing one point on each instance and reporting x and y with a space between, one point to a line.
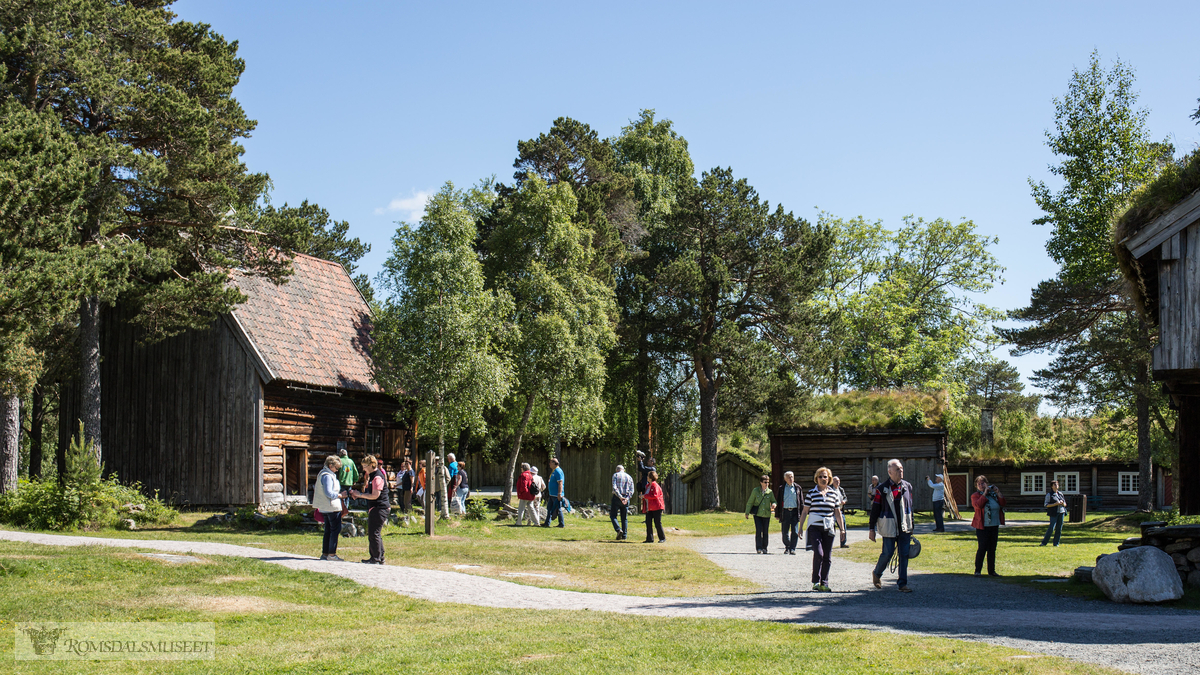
761 503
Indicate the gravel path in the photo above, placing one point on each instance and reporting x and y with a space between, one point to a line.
1166 641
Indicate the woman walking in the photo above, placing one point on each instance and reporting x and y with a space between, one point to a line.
761 502
1056 507
823 508
378 507
653 505
989 516
327 499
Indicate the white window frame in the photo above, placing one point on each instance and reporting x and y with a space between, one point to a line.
1062 476
1037 489
1134 478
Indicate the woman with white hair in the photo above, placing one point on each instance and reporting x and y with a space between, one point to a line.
327 500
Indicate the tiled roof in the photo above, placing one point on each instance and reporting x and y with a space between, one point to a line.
314 329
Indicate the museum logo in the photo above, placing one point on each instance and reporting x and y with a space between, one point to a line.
146 641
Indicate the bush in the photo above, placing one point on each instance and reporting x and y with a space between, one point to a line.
84 500
477 509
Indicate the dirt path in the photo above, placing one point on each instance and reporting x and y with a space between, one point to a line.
1138 639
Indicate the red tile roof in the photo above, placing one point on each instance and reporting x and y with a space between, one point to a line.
314 329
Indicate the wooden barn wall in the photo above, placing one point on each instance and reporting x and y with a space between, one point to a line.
1008 479
854 459
1179 309
295 417
179 416
735 483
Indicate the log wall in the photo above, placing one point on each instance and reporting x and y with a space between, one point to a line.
1008 479
315 421
1178 346
854 458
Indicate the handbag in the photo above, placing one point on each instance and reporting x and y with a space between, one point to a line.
914 547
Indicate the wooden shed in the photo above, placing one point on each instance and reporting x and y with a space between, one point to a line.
1107 484
855 456
1161 258
736 479
246 411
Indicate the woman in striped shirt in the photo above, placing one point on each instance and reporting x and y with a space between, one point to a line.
822 507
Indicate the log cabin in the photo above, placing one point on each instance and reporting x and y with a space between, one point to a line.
246 411
1107 484
1158 246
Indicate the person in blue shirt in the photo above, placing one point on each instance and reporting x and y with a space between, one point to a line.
452 465
938 486
554 497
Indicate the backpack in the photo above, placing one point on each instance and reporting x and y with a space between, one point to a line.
533 488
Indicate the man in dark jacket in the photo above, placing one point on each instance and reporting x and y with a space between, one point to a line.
892 515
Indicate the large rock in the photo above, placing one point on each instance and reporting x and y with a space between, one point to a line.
1143 574
1194 555
1194 578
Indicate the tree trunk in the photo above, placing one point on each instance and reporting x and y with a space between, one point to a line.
1142 403
10 441
429 497
710 495
89 365
643 394
443 503
1188 479
37 417
516 449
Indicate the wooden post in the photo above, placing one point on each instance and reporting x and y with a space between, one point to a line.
428 495
1188 479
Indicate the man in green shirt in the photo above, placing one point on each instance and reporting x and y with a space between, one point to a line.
348 474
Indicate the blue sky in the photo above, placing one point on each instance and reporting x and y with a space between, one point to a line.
873 109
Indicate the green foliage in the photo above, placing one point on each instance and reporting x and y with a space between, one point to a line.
477 509
736 440
899 307
435 338
83 500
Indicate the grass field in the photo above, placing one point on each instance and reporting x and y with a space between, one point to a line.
270 620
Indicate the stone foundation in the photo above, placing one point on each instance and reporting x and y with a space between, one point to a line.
1181 542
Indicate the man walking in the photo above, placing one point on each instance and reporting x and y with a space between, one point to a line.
892 516
554 500
527 498
790 499
622 489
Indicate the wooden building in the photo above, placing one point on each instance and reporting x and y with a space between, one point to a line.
1107 484
1160 255
246 411
736 479
855 456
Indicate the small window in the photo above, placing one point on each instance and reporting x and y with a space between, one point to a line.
375 442
1128 483
1033 483
1068 483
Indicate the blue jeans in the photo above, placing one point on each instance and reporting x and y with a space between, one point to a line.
889 547
618 509
554 509
1056 522
333 528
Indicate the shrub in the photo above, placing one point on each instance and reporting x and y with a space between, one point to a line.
477 509
83 500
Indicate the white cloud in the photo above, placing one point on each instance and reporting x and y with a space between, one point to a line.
411 208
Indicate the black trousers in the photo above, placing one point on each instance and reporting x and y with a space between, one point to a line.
333 528
375 519
789 524
762 532
822 548
987 538
654 519
619 509
939 507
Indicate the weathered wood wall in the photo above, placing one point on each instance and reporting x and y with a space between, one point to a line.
735 483
855 457
1178 346
179 416
315 420
587 470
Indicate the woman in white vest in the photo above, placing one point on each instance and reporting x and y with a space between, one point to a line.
327 499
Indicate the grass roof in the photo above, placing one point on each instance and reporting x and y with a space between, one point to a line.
732 452
870 410
1177 182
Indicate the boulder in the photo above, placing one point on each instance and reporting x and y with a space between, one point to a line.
1182 545
1131 542
1194 578
1194 555
1180 560
1141 575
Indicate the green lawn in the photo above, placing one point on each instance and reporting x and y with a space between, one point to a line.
582 556
270 619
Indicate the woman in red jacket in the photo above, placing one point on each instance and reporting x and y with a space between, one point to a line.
652 506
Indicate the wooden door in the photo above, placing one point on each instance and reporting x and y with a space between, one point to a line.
960 485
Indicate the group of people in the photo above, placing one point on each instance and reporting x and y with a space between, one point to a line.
531 488
330 499
653 501
891 518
